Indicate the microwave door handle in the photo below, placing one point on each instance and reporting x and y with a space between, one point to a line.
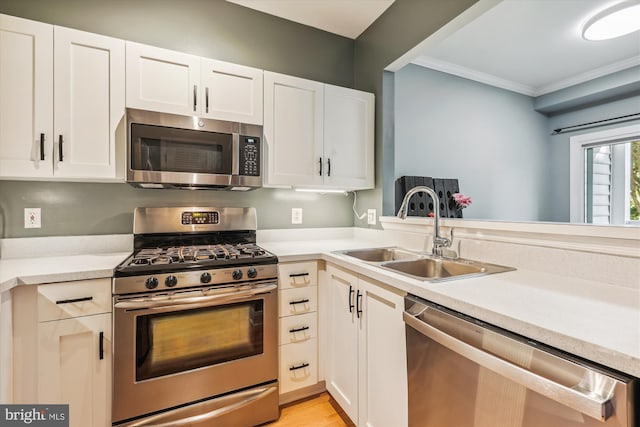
192 301
235 154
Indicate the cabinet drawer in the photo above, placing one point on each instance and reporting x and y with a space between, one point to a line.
298 365
72 299
298 301
298 274
295 329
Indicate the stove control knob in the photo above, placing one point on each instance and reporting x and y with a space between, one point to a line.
237 274
205 277
252 273
151 283
171 281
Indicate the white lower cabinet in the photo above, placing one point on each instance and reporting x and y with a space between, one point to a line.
366 357
298 325
74 367
62 348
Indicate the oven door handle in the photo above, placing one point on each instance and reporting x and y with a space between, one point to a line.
251 396
192 301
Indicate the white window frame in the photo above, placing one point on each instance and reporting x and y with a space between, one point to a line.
577 144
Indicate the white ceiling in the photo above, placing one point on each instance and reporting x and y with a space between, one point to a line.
348 18
531 46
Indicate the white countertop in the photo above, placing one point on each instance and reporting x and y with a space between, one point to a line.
596 321
37 270
599 322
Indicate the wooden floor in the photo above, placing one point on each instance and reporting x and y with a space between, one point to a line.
317 411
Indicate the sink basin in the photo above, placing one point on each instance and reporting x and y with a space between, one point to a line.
381 254
423 266
438 269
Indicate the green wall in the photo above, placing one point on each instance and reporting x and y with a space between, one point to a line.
225 31
404 25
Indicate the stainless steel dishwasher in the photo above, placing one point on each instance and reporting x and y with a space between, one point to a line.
465 373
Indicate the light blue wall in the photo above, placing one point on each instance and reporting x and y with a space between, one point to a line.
490 139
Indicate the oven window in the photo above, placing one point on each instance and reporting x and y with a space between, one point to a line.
173 342
155 148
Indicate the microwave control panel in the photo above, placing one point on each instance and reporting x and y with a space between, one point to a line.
249 156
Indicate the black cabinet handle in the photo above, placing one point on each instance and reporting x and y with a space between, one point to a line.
69 301
351 306
295 368
206 99
42 146
320 167
298 274
195 97
294 330
101 345
60 154
300 301
329 167
359 304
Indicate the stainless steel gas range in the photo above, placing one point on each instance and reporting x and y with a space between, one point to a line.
195 321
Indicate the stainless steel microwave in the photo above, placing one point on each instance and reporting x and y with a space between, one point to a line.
173 151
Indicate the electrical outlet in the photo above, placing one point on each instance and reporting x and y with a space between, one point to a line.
371 216
296 215
32 218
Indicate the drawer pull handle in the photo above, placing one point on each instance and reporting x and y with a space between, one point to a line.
301 366
300 301
294 330
69 301
101 346
299 275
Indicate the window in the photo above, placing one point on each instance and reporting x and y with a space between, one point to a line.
605 176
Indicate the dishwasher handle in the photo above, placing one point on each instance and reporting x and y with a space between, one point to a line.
593 406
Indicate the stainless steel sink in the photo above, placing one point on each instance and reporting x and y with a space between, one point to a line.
381 254
440 269
423 266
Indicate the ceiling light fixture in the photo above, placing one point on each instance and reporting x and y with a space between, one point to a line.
618 20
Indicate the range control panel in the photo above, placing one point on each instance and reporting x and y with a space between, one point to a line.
191 218
249 155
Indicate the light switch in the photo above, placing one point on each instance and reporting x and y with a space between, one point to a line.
296 215
32 218
371 216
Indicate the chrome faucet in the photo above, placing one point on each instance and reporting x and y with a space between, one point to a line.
439 242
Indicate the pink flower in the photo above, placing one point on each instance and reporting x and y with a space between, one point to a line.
461 200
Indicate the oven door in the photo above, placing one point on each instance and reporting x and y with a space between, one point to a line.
175 349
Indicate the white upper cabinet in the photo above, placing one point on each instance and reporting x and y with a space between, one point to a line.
26 98
317 135
62 99
293 130
232 92
162 80
348 137
174 82
89 103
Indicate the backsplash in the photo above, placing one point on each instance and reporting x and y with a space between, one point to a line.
608 255
100 208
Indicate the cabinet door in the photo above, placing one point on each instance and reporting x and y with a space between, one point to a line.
293 118
26 98
348 138
163 80
89 103
232 92
342 343
382 363
71 371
